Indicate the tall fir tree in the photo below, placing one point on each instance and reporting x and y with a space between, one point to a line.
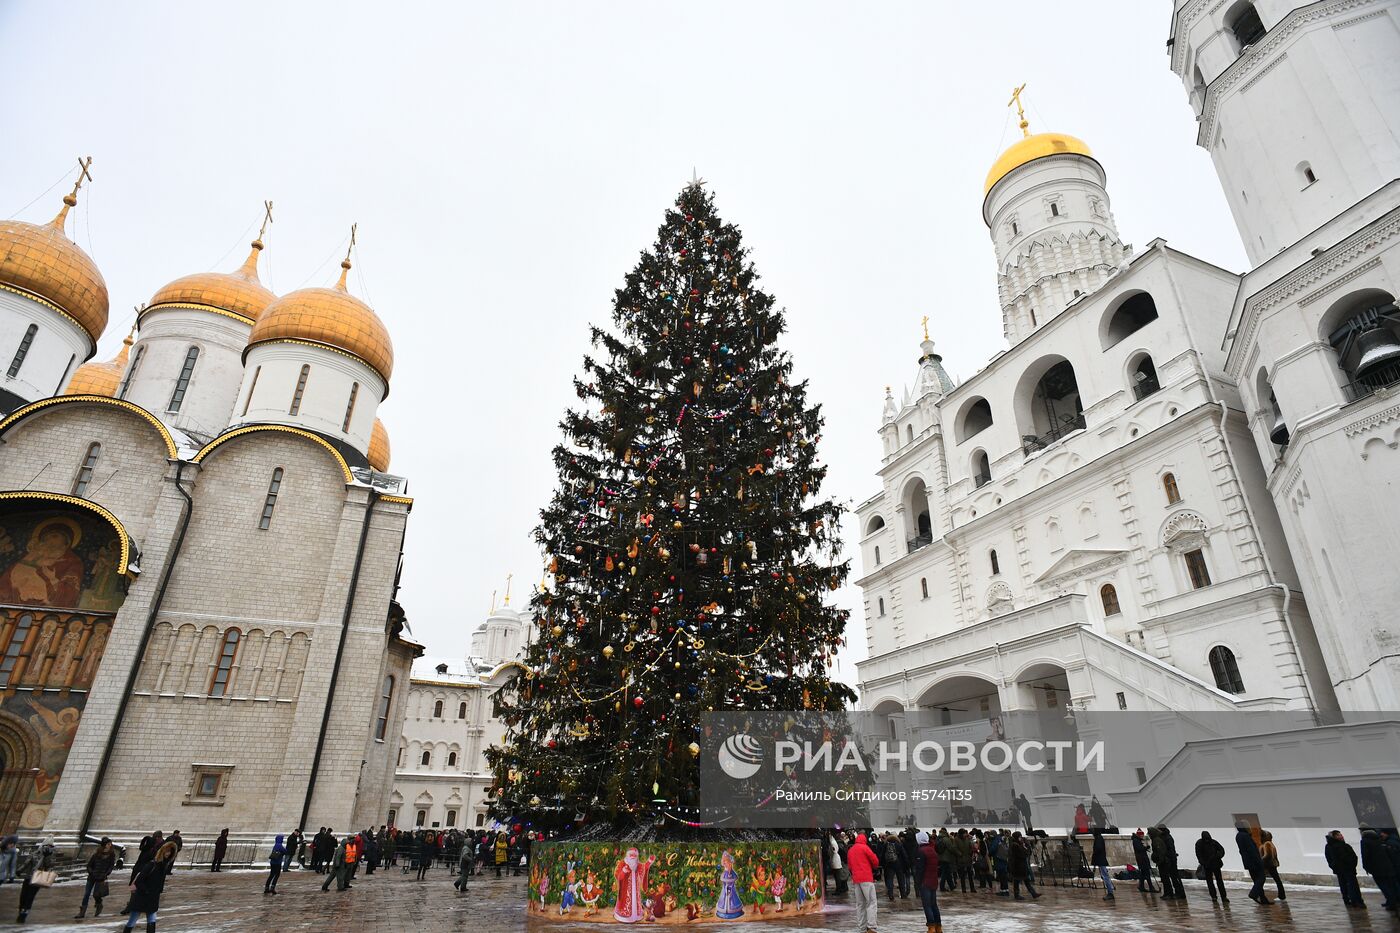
689 551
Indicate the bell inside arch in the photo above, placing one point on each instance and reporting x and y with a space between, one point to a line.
1378 355
1278 432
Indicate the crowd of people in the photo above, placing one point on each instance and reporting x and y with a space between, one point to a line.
1002 862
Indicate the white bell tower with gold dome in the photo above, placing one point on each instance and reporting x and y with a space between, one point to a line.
318 359
1048 213
53 306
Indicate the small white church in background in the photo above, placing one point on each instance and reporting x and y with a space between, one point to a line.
442 778
1178 489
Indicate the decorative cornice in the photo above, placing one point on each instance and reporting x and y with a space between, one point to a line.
400 500
124 561
21 413
1360 427
1187 15
1339 281
281 429
1311 272
195 306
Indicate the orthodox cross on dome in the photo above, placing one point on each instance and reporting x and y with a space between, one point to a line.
1015 101
71 199
508 578
924 321
267 218
344 271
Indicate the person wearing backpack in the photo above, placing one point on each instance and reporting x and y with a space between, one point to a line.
893 862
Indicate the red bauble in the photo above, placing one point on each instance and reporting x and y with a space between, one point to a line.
637 702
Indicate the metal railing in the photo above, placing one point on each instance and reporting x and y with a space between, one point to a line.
1382 377
1030 443
1145 388
920 542
981 479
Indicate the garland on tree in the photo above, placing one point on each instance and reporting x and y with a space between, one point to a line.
688 549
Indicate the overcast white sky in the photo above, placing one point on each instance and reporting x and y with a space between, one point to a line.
507 161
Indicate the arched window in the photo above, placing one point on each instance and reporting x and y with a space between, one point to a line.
84 478
1109 596
916 507
422 818
22 350
1052 409
425 761
909 433
452 759
350 406
253 387
992 559
1170 487
300 390
437 710
981 469
386 697
1306 173
1245 25
877 555
882 606
270 503
462 710
1364 329
923 586
1226 670
131 371
7 664
977 417
876 524
228 650
1054 208
452 814
1130 317
1145 378
182 384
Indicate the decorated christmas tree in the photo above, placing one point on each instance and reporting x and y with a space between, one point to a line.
689 550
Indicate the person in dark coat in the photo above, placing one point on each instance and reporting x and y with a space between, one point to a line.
1164 849
1381 866
293 844
220 850
99 867
927 880
1144 863
1099 859
150 845
147 885
1249 858
1341 858
41 859
1019 864
274 864
999 848
892 865
1210 855
910 839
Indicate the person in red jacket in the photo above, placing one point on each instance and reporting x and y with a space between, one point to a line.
862 862
926 877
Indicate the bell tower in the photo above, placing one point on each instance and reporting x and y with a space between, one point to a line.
1297 105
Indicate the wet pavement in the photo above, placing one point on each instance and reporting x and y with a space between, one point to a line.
200 902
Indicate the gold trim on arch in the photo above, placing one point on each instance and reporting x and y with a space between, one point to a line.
24 293
82 504
401 500
281 428
25 411
197 307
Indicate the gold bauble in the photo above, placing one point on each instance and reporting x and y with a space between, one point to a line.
694 749
608 651
557 630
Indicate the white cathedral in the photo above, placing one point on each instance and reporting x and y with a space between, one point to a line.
201 535
1178 488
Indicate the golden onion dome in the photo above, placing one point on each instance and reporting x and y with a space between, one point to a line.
1033 147
239 293
101 378
378 455
330 317
40 261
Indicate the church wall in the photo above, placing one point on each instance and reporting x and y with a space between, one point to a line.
45 451
381 754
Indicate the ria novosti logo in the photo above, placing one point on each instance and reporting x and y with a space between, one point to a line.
741 756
